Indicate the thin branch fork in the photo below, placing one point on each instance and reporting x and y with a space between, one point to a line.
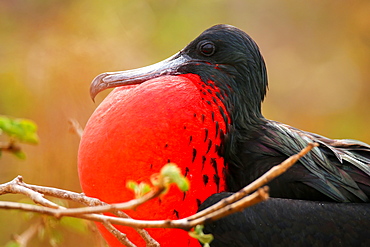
16 187
36 193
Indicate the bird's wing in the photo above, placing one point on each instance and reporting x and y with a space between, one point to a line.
341 167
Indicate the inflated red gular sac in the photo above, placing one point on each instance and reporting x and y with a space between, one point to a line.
135 132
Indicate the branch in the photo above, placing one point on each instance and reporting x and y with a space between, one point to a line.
185 223
132 204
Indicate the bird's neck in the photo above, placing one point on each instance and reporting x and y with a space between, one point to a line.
241 111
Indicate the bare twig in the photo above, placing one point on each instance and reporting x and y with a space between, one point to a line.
119 235
132 204
260 195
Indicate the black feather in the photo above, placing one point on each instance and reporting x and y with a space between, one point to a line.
287 222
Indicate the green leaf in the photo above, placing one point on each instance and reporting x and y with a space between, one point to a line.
173 173
12 243
23 130
132 185
139 189
20 154
144 188
198 233
77 225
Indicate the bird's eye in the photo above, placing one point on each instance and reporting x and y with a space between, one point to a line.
207 48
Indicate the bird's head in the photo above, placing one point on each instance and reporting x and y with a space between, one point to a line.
223 55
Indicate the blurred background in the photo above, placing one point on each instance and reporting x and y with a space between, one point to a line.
317 55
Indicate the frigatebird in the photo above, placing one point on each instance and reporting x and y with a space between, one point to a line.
229 72
338 170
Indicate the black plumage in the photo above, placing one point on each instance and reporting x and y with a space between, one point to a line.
338 170
286 222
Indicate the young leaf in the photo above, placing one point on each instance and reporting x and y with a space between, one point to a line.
198 233
12 243
23 130
139 189
132 185
19 154
173 173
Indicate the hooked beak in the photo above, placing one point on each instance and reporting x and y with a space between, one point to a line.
137 76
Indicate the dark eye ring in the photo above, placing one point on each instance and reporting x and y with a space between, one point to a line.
207 48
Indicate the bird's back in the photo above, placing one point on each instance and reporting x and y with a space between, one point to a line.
337 170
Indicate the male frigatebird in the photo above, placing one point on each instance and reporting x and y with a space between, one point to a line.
201 109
